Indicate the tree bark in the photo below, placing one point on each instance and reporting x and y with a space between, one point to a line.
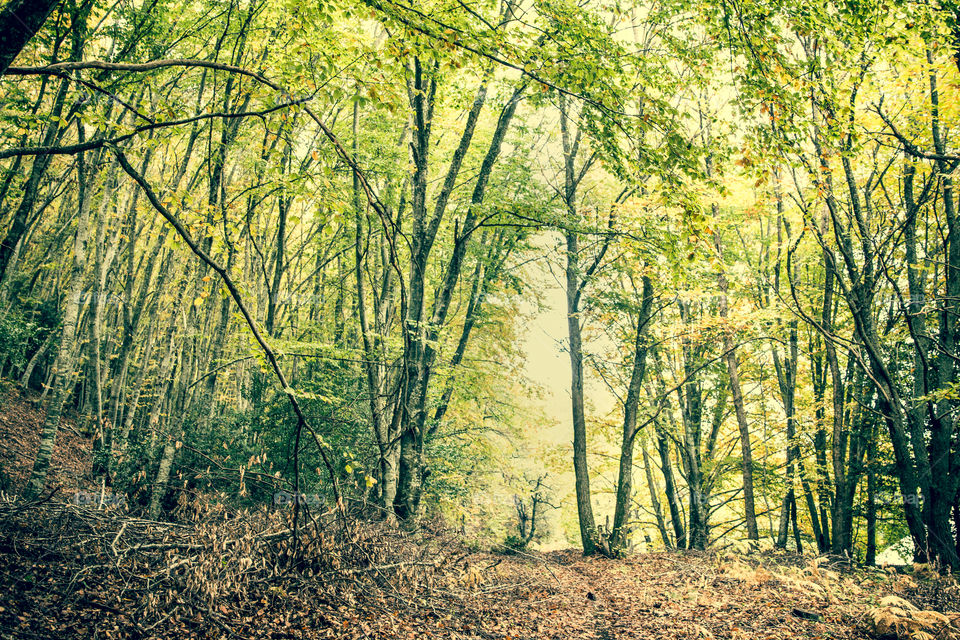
66 355
20 20
733 373
624 496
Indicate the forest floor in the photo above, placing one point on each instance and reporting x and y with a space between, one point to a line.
72 571
75 572
21 421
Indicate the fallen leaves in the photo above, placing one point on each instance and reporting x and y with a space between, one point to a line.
103 575
895 617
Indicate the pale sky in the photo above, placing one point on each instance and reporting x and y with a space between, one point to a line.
544 342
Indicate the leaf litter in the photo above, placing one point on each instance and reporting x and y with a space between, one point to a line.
80 572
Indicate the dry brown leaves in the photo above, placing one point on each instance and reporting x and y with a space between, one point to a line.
78 572
895 617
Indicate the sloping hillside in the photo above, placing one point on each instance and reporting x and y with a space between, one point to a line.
21 419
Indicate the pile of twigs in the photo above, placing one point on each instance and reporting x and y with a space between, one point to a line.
215 572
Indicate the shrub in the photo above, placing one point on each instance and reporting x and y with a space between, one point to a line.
513 544
17 337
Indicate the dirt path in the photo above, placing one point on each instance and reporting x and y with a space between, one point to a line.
701 596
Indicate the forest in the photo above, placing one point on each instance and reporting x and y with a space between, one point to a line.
348 288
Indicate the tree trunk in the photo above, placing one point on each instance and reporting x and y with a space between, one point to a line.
20 20
66 358
871 556
18 225
670 489
654 491
733 373
588 527
624 495
163 477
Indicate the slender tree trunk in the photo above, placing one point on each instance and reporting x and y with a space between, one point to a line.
944 467
66 358
871 555
19 223
654 491
163 477
670 490
624 494
35 358
386 442
588 527
746 450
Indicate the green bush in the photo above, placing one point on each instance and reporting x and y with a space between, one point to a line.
513 544
18 336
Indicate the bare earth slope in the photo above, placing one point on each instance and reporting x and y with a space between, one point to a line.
21 420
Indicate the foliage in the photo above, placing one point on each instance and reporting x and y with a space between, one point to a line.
366 207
